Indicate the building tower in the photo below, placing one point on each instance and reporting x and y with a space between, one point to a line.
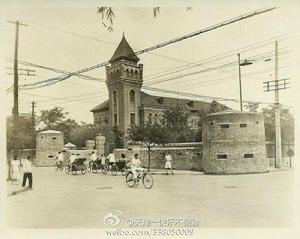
124 79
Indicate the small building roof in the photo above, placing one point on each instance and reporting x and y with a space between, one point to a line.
50 131
124 51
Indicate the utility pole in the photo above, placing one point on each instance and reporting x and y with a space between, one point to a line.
240 82
277 85
33 105
16 90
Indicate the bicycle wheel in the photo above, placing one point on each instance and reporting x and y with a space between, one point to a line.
94 168
89 168
56 167
62 168
129 180
147 180
114 170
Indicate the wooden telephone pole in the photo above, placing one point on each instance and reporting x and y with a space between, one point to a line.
16 91
277 85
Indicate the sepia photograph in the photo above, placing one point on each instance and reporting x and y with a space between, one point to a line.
149 119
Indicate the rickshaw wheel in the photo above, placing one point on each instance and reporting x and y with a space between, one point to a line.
94 168
114 170
67 169
129 179
105 169
74 170
89 168
83 171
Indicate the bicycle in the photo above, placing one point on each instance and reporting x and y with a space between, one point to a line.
146 177
113 168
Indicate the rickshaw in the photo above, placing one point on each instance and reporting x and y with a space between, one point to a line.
77 165
119 166
94 166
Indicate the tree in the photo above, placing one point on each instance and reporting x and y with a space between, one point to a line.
108 15
252 107
287 123
51 118
82 133
56 119
176 119
149 135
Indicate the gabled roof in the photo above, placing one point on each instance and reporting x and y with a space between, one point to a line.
163 102
124 51
104 106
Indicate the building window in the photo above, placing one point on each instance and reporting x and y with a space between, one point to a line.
211 123
221 156
127 73
115 97
115 119
256 122
132 96
243 125
150 118
155 119
224 126
248 156
53 138
132 118
106 120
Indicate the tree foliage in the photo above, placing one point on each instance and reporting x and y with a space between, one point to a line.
149 135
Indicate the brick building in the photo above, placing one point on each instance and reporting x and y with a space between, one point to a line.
234 142
128 104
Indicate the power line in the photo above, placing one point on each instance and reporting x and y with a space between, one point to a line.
196 33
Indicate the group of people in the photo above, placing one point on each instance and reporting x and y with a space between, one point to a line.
17 166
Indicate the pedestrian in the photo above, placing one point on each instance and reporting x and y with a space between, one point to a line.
15 170
27 172
168 165
111 159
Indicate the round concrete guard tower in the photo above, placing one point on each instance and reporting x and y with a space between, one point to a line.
234 143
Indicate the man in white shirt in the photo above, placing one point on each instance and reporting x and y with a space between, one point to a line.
72 158
60 158
111 159
136 166
93 157
27 169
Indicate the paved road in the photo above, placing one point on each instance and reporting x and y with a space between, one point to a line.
65 201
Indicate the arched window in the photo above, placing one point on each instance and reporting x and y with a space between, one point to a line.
131 74
136 75
132 96
115 97
127 73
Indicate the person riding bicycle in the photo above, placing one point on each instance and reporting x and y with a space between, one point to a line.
111 160
93 157
136 166
72 158
59 159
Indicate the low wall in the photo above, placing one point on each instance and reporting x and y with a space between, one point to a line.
188 158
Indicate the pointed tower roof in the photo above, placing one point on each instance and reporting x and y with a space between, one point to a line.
124 51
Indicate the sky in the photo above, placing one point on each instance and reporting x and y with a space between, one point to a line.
70 37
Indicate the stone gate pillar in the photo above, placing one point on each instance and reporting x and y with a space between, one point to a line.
100 144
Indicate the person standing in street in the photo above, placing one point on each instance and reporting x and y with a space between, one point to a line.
168 165
15 171
27 172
